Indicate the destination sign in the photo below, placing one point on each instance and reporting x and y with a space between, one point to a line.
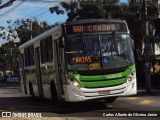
82 59
105 27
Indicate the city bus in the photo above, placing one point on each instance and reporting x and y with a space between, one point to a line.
90 59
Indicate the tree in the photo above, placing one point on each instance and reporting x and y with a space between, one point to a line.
87 9
24 29
8 56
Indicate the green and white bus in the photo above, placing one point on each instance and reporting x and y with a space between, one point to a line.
80 60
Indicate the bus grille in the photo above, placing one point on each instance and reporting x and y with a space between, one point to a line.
103 82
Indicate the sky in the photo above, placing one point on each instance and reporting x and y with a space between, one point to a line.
39 9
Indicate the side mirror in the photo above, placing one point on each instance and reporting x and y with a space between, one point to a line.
61 42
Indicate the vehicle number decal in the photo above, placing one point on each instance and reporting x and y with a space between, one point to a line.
94 66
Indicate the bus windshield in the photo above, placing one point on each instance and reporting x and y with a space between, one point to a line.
99 52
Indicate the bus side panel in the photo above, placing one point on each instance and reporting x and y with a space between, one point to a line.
22 74
59 68
48 75
38 72
47 67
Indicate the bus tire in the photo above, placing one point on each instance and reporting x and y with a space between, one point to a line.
110 99
54 93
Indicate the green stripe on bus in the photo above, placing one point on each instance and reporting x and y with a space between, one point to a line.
103 83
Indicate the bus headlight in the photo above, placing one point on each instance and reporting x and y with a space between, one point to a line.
72 81
131 76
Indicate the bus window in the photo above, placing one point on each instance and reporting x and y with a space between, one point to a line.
43 51
26 57
50 49
29 54
46 50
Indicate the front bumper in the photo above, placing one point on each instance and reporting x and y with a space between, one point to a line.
82 94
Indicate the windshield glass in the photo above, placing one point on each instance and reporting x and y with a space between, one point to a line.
99 52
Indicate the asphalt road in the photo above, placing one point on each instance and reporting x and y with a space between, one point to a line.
138 107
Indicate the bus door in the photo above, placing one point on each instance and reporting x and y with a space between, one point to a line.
38 73
58 63
23 73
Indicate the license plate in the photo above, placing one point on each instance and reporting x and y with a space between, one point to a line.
104 92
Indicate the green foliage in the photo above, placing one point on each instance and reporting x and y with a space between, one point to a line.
27 28
89 9
23 29
4 54
8 56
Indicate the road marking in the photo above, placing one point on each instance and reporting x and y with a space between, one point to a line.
132 98
145 102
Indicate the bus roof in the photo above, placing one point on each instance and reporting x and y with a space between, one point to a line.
86 21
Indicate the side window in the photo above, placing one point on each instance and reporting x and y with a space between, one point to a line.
43 51
29 54
50 49
26 57
31 51
46 50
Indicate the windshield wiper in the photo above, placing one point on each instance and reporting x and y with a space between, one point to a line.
84 44
112 42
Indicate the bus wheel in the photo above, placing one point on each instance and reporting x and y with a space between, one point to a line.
54 94
110 99
31 89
